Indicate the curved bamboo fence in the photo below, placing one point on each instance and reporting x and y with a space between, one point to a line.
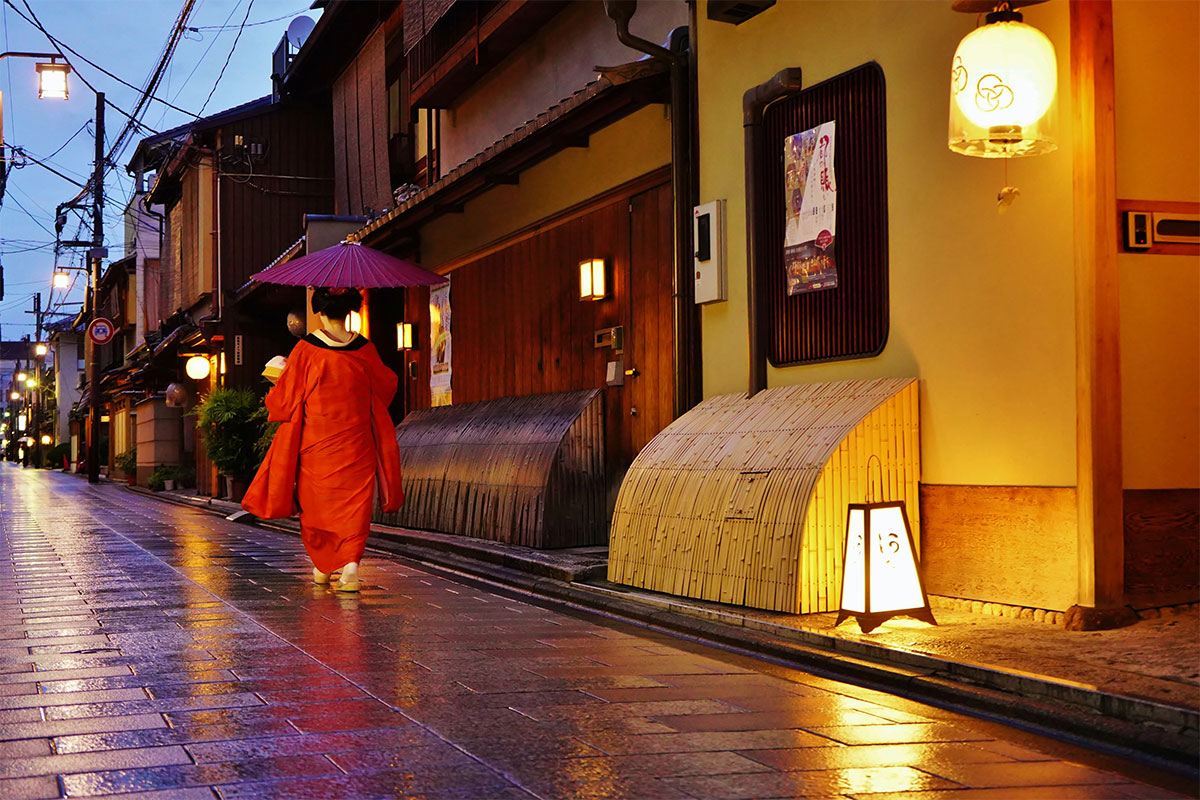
521 470
743 501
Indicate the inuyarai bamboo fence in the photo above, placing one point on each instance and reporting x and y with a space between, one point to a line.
743 501
522 470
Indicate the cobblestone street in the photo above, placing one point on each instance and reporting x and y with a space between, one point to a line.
154 651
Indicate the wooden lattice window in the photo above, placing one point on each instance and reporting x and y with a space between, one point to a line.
851 320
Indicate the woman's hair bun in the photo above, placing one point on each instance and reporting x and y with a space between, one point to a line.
335 303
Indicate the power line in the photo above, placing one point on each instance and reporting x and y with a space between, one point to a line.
199 28
228 57
64 46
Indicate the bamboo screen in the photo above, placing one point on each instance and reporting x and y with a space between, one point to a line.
743 501
523 470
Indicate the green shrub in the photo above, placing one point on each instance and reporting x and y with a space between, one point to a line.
55 455
231 422
127 462
157 479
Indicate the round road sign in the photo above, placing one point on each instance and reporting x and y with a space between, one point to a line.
101 330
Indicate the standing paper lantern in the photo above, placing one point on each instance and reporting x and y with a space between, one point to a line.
881 577
1003 86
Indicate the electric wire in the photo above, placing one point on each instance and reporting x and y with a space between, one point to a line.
221 74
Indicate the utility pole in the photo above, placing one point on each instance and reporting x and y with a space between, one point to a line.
93 458
37 385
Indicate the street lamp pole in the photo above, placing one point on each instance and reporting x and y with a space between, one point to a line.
95 254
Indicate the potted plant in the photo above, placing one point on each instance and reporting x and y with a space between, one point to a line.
162 478
127 463
231 421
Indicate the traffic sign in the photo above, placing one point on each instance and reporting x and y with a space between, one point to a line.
101 330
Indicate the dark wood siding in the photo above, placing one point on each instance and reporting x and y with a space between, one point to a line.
519 327
360 131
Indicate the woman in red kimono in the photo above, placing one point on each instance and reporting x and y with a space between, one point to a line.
335 444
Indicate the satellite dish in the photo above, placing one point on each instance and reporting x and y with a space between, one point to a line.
298 30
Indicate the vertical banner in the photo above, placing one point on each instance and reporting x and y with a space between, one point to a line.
810 192
439 345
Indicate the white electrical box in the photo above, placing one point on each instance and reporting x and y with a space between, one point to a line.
708 237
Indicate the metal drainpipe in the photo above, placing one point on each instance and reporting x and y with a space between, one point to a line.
621 11
754 102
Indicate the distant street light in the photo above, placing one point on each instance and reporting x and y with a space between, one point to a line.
61 280
15 396
22 377
40 349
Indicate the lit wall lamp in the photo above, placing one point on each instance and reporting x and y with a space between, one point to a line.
52 81
21 422
61 280
197 368
1003 83
40 349
46 438
881 577
405 335
353 322
592 283
14 396
22 377
31 382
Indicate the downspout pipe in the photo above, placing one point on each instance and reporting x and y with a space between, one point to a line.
685 370
785 83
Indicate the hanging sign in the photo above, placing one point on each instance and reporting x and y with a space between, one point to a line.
101 330
439 346
810 193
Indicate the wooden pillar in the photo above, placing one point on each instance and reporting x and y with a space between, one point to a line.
1097 315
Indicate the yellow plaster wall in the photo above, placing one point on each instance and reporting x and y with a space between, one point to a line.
619 153
1157 67
982 304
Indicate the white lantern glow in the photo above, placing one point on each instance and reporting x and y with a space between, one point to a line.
592 285
1003 85
880 574
197 368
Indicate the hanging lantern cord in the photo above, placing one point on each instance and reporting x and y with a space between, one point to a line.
871 498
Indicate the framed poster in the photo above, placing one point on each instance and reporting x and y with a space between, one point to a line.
439 346
810 195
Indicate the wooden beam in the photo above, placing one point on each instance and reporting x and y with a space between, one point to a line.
1097 311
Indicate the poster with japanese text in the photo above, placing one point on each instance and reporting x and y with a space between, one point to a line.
439 345
810 192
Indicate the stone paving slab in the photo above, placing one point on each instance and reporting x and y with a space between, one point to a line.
422 686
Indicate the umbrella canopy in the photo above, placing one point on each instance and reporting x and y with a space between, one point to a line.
348 265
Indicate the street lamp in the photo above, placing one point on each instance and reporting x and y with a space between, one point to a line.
61 280
40 349
52 80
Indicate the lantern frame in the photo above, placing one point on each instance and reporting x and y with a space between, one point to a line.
870 619
593 279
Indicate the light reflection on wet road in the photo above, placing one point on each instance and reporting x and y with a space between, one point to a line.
148 648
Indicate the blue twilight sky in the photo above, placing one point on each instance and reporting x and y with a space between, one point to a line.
125 37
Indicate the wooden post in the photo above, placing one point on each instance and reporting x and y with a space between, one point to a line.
1097 321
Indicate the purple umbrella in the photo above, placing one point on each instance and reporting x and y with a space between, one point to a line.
348 265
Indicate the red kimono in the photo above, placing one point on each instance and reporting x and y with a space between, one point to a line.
335 444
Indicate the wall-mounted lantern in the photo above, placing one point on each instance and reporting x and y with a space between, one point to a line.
31 382
353 322
15 396
405 335
197 367
22 377
1003 85
592 279
880 573
52 81
46 438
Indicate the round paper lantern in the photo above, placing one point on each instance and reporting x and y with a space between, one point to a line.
1003 84
197 368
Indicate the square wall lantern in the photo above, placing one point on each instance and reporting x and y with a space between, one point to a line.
880 573
52 81
592 282
405 335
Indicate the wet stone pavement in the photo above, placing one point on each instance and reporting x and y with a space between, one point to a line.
152 651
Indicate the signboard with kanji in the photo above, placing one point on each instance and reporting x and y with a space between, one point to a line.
101 330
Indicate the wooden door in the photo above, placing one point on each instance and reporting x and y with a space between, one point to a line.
648 396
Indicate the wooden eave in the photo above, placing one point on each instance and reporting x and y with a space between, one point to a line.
568 124
498 34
